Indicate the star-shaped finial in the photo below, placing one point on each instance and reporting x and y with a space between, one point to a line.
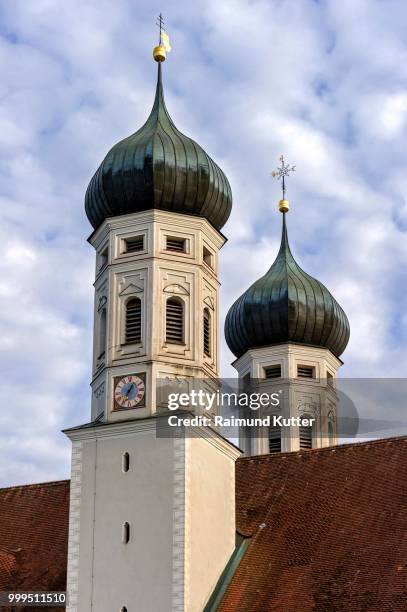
282 172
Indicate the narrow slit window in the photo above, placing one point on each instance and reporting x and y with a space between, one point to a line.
102 333
207 332
275 439
126 533
272 371
126 462
330 379
174 321
134 244
305 371
133 321
331 432
177 245
305 432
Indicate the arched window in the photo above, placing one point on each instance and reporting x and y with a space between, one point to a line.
275 439
305 431
126 462
102 332
207 332
123 609
133 321
126 533
174 321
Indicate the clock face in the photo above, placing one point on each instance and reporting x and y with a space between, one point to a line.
129 391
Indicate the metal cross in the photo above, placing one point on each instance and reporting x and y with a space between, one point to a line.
282 172
160 24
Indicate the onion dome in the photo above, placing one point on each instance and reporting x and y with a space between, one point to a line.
158 167
286 305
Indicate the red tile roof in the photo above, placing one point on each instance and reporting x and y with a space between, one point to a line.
328 530
34 537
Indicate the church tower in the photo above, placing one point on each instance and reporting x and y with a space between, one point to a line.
288 332
152 521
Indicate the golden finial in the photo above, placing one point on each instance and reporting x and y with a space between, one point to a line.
163 47
281 173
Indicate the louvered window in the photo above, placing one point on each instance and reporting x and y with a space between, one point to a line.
174 321
207 332
273 371
134 244
275 439
305 371
133 321
102 333
176 244
305 434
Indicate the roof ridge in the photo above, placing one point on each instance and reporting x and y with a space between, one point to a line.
37 484
338 447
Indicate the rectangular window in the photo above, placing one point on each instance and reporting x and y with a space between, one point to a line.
207 257
273 371
134 244
103 257
177 245
305 436
305 371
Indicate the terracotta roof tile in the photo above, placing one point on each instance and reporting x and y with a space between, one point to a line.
328 530
34 537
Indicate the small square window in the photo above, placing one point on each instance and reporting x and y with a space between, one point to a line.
305 371
177 245
273 371
207 257
134 244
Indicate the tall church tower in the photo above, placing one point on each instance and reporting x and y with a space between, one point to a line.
288 332
151 518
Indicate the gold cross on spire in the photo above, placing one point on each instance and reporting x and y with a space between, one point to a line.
280 174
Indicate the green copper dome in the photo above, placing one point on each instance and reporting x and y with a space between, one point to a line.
158 167
286 305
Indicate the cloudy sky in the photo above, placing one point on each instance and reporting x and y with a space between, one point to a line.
323 82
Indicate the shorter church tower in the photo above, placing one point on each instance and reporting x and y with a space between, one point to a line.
288 332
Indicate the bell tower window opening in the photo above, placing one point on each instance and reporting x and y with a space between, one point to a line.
275 439
134 244
305 432
207 332
207 257
305 371
273 371
177 245
133 321
174 321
